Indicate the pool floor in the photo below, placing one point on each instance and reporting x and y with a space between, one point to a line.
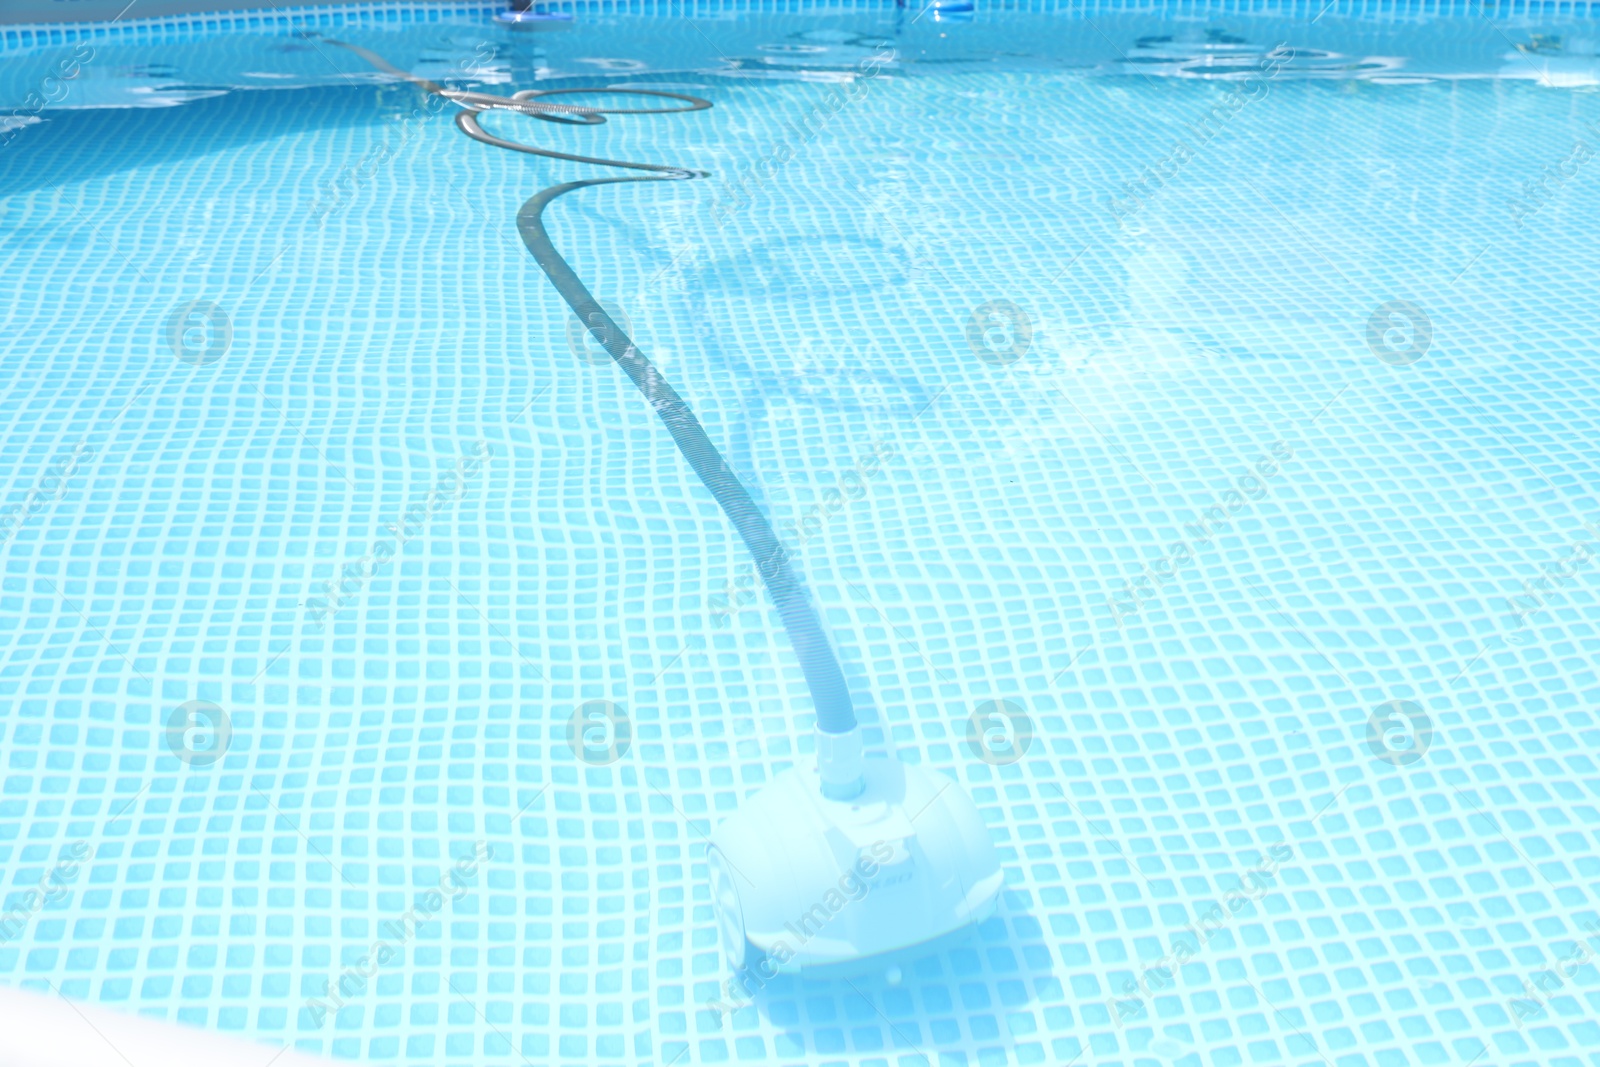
1232 419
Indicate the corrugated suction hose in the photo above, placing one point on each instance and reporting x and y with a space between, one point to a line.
835 713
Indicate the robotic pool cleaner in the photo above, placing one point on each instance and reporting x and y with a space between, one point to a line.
819 870
843 857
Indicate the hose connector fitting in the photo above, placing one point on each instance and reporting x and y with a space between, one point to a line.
839 759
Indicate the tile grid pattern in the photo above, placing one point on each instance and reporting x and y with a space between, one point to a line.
373 347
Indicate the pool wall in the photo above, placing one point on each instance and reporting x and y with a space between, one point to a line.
31 23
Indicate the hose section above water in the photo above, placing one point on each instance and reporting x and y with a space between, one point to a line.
835 713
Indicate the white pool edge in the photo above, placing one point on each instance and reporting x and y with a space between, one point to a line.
48 1030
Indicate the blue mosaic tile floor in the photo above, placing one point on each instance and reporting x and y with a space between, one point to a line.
1228 396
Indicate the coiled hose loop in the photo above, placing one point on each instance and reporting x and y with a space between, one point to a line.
835 713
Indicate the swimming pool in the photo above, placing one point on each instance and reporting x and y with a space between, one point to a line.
1208 395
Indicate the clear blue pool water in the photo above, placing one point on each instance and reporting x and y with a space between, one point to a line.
1231 459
